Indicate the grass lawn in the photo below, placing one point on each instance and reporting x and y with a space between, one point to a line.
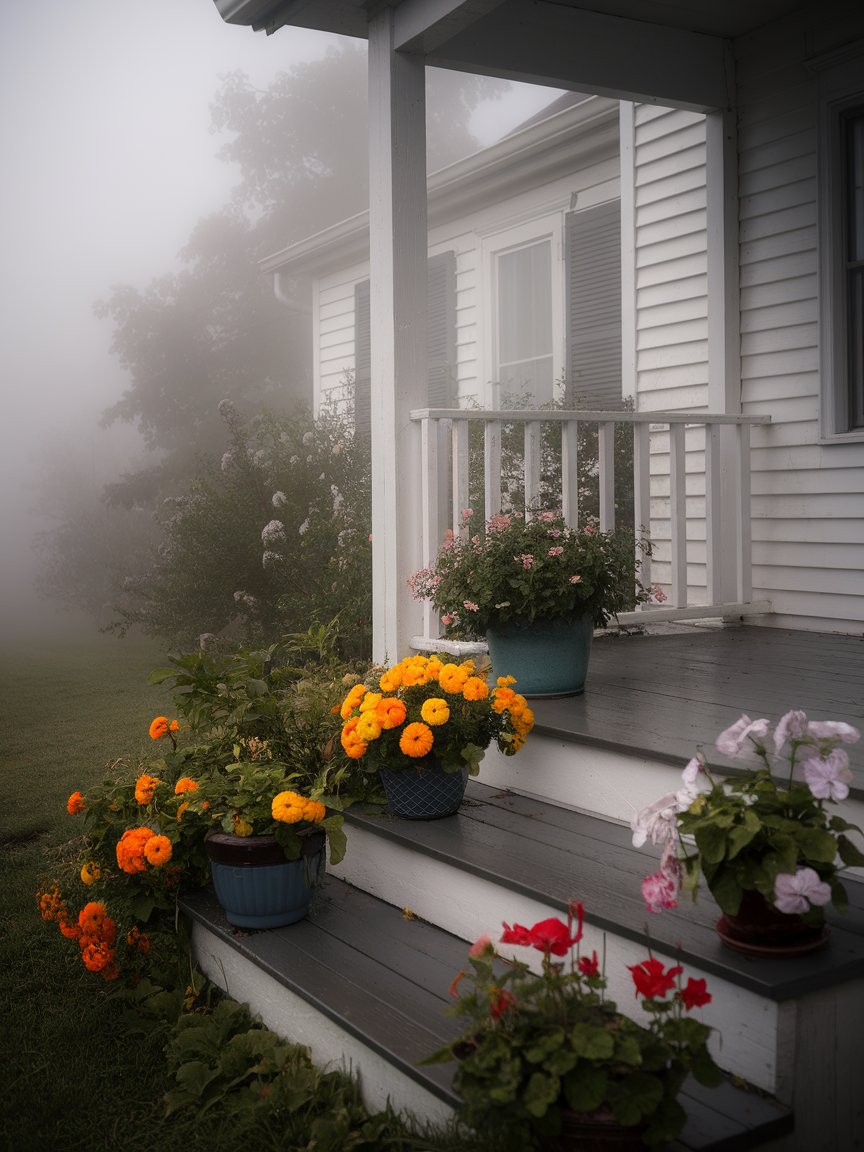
77 1071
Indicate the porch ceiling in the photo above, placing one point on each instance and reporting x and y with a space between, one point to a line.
660 50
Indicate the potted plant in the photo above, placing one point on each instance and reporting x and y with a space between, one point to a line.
536 589
424 725
765 840
546 1061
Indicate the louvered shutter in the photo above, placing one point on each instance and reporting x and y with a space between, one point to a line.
593 306
441 344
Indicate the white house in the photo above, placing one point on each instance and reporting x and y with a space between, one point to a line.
725 140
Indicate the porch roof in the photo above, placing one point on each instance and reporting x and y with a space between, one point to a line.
631 49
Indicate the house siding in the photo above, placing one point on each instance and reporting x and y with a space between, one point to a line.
665 179
807 495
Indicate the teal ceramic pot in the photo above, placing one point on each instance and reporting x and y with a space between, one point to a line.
547 657
256 886
426 792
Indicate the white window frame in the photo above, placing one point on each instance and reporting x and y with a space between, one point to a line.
840 90
497 244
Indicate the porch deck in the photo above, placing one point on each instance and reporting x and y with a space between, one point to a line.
665 693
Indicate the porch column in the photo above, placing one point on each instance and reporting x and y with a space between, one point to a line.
397 306
728 540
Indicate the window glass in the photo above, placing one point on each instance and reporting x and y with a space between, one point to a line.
524 320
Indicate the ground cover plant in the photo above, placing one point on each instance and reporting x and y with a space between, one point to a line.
84 1069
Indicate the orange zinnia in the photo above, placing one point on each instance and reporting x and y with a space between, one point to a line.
416 740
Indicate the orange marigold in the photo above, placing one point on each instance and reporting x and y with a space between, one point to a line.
352 700
185 784
475 688
75 804
391 712
138 940
416 740
51 903
157 850
130 849
145 786
91 917
159 728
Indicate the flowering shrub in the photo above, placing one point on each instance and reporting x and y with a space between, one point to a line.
144 836
525 570
757 832
424 707
536 1044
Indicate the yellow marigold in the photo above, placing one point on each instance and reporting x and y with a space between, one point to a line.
75 804
391 711
475 689
90 873
415 673
355 750
506 681
242 827
524 722
452 677
314 811
435 711
416 740
391 679
352 700
91 917
145 786
368 726
287 807
370 701
158 850
159 727
185 784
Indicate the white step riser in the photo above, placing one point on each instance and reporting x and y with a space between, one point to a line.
469 906
291 1017
603 783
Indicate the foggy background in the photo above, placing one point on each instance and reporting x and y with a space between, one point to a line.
108 162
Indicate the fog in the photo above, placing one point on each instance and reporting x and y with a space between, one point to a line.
108 162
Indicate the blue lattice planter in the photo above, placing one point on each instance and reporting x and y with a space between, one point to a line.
256 886
426 792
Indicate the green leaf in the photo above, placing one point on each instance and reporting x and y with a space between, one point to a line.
541 1092
256 688
337 840
727 891
635 1097
585 1088
817 845
849 854
711 842
591 1042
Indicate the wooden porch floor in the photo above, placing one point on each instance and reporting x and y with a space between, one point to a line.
664 695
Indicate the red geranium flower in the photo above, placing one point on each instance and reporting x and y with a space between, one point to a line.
500 1001
553 936
516 935
589 965
695 994
651 978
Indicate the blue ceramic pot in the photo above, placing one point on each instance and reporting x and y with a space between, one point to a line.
256 886
426 792
547 657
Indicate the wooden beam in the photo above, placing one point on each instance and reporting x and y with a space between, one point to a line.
397 299
424 25
542 42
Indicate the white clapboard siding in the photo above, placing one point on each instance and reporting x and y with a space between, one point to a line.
807 496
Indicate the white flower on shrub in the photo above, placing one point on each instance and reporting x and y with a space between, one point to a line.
227 461
308 437
271 559
279 499
273 533
304 528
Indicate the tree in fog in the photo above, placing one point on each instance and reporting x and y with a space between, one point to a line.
213 329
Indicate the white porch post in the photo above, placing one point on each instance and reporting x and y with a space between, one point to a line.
724 526
397 304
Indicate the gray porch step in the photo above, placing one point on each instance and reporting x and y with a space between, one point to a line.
361 982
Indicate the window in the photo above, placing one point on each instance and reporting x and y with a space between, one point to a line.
441 341
852 159
841 240
523 321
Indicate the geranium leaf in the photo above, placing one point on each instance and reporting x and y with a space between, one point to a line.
591 1042
585 1088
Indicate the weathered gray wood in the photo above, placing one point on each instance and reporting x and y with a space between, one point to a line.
662 696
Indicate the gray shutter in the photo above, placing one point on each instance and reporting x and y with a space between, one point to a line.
362 362
593 306
441 374
441 343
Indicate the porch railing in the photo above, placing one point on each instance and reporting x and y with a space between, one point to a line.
697 518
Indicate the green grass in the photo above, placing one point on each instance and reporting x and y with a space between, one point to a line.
76 1071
